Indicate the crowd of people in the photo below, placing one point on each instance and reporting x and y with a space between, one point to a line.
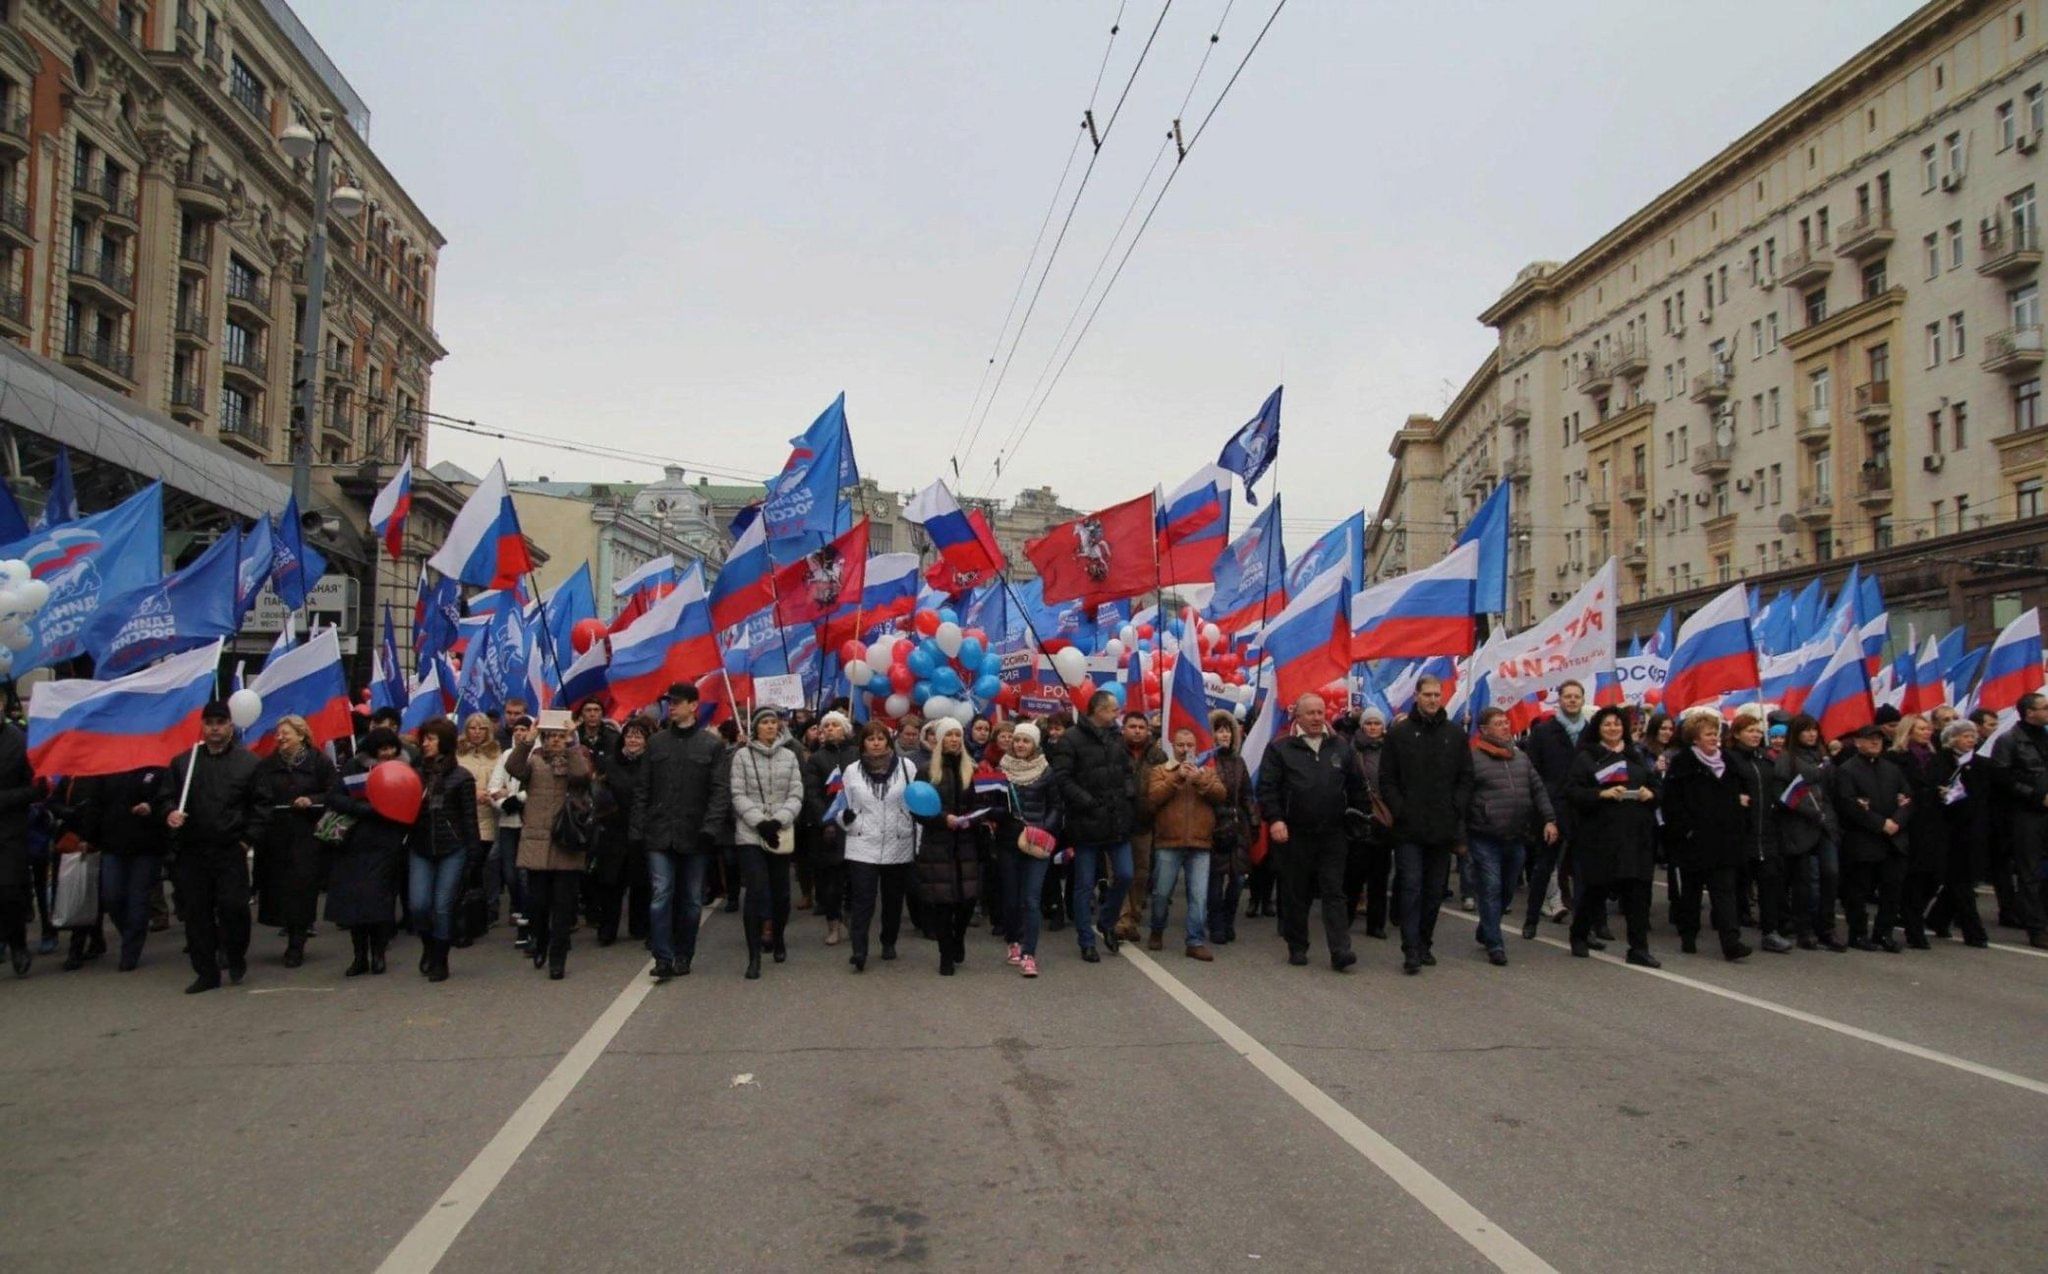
554 824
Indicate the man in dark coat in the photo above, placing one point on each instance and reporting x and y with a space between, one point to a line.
675 785
1311 793
17 792
1872 799
212 828
1426 781
1552 746
119 821
598 736
1099 791
2020 764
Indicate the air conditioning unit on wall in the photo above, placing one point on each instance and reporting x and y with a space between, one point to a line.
1933 463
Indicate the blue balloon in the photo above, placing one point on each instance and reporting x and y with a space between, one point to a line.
921 798
947 615
971 653
987 686
946 681
923 660
920 692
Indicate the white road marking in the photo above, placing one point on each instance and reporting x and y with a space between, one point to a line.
1827 1024
1464 1220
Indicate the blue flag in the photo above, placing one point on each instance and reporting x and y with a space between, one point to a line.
1252 449
1064 623
569 603
180 612
804 498
13 526
62 504
387 680
87 564
295 566
1342 545
258 556
1489 529
435 618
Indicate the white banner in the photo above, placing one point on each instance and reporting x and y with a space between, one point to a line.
1574 642
1640 674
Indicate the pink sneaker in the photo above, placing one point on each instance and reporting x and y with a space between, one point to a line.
1015 956
1028 965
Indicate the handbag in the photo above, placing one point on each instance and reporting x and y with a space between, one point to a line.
574 830
76 903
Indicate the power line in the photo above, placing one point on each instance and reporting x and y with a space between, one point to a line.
603 453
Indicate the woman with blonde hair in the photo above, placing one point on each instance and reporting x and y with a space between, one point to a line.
478 752
293 783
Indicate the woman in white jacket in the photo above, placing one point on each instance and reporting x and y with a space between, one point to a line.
881 838
767 795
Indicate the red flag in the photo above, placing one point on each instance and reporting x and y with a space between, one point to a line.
1098 557
823 580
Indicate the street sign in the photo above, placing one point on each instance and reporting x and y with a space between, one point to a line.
332 601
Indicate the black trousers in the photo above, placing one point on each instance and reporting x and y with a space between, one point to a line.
1424 871
1957 903
765 877
829 879
1634 897
1864 882
1224 887
1720 885
1543 860
866 882
1785 895
951 921
14 898
213 892
551 898
2029 842
1312 862
1367 870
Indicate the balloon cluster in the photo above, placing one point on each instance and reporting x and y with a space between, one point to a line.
937 667
21 596
1223 669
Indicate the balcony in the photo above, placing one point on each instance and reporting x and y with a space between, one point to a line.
120 204
1866 236
14 312
338 423
1631 360
1874 402
191 327
1816 506
1596 377
14 143
1803 266
203 189
1874 484
2008 251
1598 502
213 53
1816 425
101 359
87 192
1713 459
1633 488
1636 556
195 255
1515 410
246 434
337 366
246 365
249 97
1515 466
104 275
2013 351
188 402
188 26
14 221
1712 387
247 293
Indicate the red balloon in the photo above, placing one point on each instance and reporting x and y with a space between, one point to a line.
394 791
975 633
1081 694
899 654
926 622
1166 658
852 650
901 679
1144 631
586 633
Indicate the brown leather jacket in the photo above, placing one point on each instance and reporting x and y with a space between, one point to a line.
1183 801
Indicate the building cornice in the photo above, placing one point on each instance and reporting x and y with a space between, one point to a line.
1836 326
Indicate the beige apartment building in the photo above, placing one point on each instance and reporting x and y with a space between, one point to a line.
1822 346
153 232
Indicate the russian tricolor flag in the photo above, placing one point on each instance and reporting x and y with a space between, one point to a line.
962 541
672 642
484 546
432 695
588 678
305 681
1714 654
1308 642
888 594
1187 698
1925 690
746 583
1193 525
1425 612
1787 679
82 728
1840 700
2013 667
388 511
1613 773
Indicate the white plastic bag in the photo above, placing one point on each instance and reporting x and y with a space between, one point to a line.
78 890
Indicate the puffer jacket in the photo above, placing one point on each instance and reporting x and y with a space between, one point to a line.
447 825
949 858
767 787
1098 784
1509 799
1183 801
880 829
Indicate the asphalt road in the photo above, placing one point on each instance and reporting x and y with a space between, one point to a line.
1835 1111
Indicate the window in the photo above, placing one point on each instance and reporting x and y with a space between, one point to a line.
1823 546
1952 145
2037 110
1880 449
1721 284
238 345
1934 431
1770 258
1756 266
2026 405
1824 473
1930 171
2004 125
1955 245
1777 484
2026 499
1962 510
1955 335
1940 75
1874 283
1820 225
235 416
1816 306
1934 344
2021 216
1820 393
1771 330
1881 531
1932 245
241 278
2026 305
1756 413
1756 488
246 87
1667 380
1775 415
1667 314
1959 419
1880 360
1756 339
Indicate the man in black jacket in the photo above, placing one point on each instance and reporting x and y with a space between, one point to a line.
2020 764
674 793
119 821
17 792
1871 800
1099 791
1311 791
212 827
1552 745
1426 781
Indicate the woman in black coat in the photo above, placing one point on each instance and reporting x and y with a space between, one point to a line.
444 849
1928 770
618 870
1962 794
1613 789
293 783
363 869
1711 804
948 864
1807 831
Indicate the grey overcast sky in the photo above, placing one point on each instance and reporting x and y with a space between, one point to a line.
681 228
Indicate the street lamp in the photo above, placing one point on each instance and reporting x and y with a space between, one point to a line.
301 143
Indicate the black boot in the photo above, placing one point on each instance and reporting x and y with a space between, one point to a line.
294 948
378 940
426 953
360 942
437 967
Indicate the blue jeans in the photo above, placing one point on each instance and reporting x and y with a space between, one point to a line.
1087 861
1023 882
433 884
126 881
1167 865
1495 865
672 921
501 869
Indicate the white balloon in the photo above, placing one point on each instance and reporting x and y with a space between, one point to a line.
1212 679
1211 634
14 570
963 712
948 639
1071 665
859 673
1129 634
244 706
880 651
937 706
896 706
1169 643
15 636
6 661
1114 648
33 593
